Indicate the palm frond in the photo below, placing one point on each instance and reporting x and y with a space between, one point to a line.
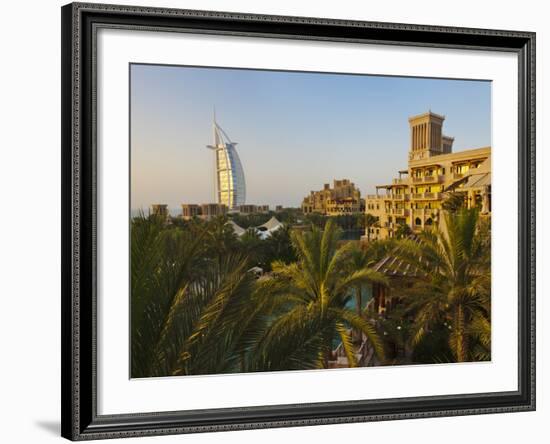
347 344
364 326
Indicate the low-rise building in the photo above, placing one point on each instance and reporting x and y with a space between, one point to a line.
159 210
343 198
189 211
253 209
248 209
415 197
212 210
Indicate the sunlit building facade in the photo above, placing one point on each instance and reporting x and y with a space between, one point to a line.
159 210
230 182
253 209
343 198
416 196
189 211
210 211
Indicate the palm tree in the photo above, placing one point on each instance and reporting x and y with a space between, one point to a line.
193 304
278 246
162 262
454 201
403 230
309 300
370 221
359 260
220 237
363 256
218 317
453 284
252 245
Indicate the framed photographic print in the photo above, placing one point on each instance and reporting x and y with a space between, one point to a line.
279 221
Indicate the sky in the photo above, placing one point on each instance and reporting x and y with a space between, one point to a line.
295 131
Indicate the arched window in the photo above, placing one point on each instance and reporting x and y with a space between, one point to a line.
429 221
417 221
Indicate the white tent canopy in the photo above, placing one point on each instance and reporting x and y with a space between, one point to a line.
264 230
239 231
271 225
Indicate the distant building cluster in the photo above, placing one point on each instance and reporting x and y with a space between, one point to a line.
208 211
189 211
160 210
230 185
343 198
415 198
253 209
205 211
211 210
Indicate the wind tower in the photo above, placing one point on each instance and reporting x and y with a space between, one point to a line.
427 137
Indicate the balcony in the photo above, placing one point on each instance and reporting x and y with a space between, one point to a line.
428 179
399 212
400 181
458 175
432 195
425 212
427 196
397 197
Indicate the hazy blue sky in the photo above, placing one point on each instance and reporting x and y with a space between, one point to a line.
295 131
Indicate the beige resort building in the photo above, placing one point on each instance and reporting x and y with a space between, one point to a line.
159 210
253 209
211 210
415 197
342 198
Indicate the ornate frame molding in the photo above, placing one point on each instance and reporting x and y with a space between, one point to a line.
79 413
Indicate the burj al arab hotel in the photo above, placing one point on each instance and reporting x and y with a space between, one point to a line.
230 183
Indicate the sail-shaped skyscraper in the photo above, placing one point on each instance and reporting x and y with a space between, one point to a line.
230 183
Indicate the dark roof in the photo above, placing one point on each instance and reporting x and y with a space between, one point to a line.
392 266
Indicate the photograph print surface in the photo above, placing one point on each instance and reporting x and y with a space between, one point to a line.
299 220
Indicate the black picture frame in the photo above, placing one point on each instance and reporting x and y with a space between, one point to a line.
79 171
